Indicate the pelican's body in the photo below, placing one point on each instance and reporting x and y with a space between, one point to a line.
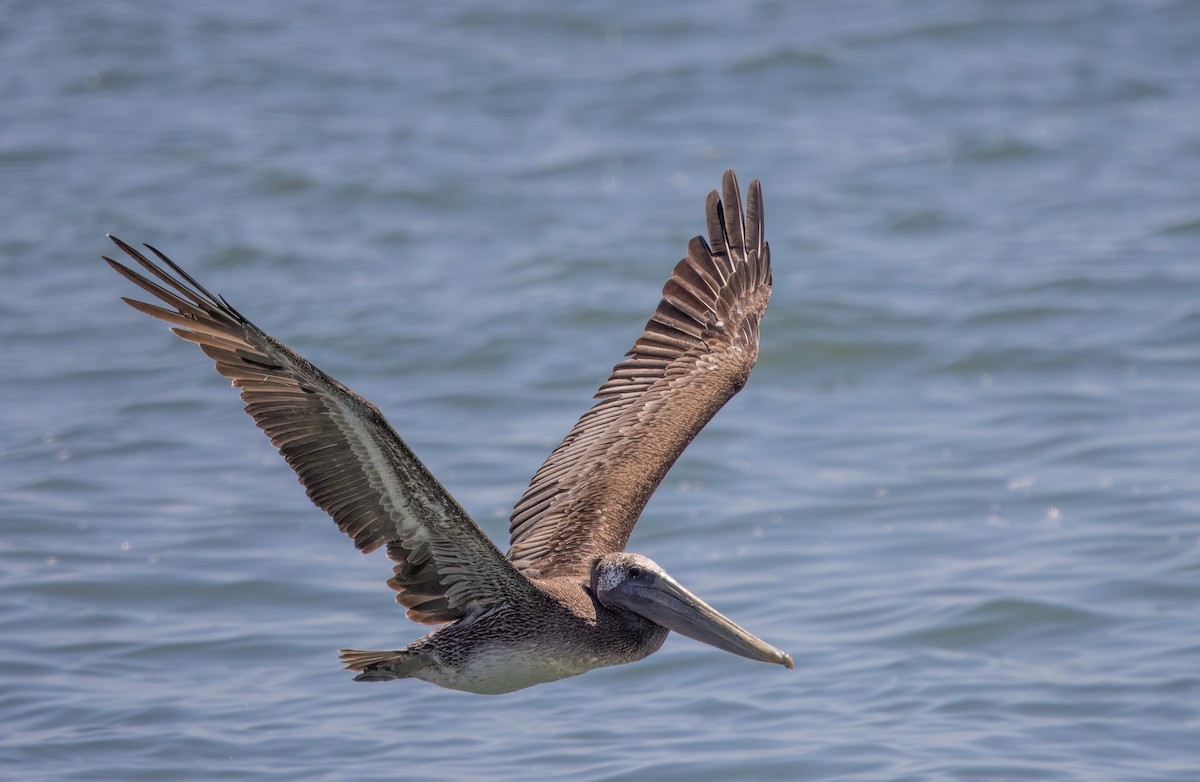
561 631
566 598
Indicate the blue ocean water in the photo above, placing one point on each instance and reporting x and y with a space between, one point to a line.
960 487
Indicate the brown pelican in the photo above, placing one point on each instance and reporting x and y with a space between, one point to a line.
566 598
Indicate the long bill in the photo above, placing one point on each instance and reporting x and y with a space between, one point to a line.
667 603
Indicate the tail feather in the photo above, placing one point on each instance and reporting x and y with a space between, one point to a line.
381 666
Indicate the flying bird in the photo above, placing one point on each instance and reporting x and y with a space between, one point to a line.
567 597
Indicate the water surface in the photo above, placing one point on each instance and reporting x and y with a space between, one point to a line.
960 487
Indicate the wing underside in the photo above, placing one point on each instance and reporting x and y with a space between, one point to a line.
351 462
695 353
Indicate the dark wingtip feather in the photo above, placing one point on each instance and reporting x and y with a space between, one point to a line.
175 268
121 244
715 223
731 201
755 225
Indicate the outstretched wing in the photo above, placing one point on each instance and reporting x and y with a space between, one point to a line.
695 353
353 464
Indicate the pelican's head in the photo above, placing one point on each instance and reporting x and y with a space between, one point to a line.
635 583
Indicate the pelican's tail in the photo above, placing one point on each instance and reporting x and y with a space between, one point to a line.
381 666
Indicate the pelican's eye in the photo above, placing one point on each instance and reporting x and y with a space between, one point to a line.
635 572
